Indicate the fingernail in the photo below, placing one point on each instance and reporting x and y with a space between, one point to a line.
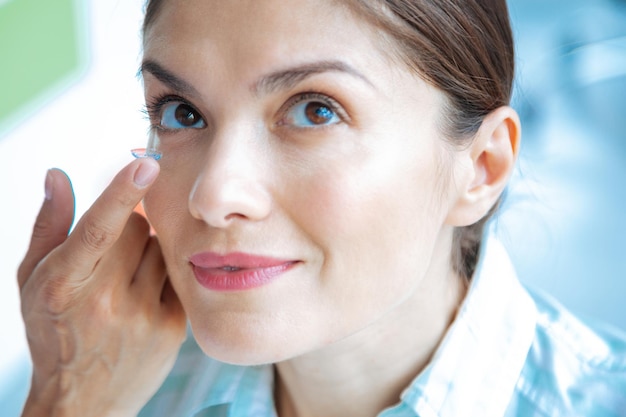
146 173
49 186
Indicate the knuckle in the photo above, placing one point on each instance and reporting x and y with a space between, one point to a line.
42 229
96 237
59 285
56 291
56 296
125 199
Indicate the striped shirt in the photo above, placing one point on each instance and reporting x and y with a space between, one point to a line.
509 352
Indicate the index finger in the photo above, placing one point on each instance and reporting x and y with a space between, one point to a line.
103 223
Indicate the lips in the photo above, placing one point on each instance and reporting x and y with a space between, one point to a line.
236 271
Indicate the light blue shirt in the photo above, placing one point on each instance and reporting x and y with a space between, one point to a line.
509 352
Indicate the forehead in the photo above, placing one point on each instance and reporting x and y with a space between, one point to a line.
260 32
256 13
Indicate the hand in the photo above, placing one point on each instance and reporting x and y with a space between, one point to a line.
103 323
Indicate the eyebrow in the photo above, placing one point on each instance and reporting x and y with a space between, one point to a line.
289 78
279 80
168 78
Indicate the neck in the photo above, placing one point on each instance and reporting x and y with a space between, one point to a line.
366 372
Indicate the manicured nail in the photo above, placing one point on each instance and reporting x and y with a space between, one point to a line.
146 173
49 186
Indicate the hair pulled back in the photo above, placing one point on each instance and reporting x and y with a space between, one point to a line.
462 47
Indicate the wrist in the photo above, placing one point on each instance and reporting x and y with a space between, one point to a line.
50 403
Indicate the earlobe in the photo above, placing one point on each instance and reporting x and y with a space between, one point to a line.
493 153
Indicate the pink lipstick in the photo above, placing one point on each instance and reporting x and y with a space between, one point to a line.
236 271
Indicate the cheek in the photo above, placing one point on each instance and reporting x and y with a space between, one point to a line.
169 195
167 211
377 195
166 207
375 219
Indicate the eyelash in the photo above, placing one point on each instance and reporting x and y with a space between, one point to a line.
154 107
323 98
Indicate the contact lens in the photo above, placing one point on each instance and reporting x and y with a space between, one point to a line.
152 151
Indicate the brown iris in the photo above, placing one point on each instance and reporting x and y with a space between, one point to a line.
318 113
185 115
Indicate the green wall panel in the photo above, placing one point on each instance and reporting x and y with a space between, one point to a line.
39 47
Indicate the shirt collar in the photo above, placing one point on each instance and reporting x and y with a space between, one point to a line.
476 367
243 390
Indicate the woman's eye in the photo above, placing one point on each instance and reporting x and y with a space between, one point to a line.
177 115
311 113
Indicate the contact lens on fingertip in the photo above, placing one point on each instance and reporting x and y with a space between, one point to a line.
144 153
152 151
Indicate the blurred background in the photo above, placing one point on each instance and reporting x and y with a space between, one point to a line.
69 98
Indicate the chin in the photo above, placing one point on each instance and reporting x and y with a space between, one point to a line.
247 345
250 355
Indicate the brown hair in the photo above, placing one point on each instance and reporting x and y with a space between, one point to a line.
464 48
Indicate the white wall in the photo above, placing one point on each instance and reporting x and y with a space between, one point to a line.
88 130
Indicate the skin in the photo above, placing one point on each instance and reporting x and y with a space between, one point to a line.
366 205
103 325
325 196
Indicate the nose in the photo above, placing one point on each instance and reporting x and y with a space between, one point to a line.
229 184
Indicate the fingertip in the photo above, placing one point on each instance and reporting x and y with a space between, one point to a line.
146 172
55 179
59 190
53 221
50 184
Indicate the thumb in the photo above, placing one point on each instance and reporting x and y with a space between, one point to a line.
52 224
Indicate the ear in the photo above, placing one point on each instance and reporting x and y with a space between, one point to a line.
490 162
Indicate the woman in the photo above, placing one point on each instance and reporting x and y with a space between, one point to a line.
324 173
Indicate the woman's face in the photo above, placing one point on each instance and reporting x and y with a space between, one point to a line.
303 187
